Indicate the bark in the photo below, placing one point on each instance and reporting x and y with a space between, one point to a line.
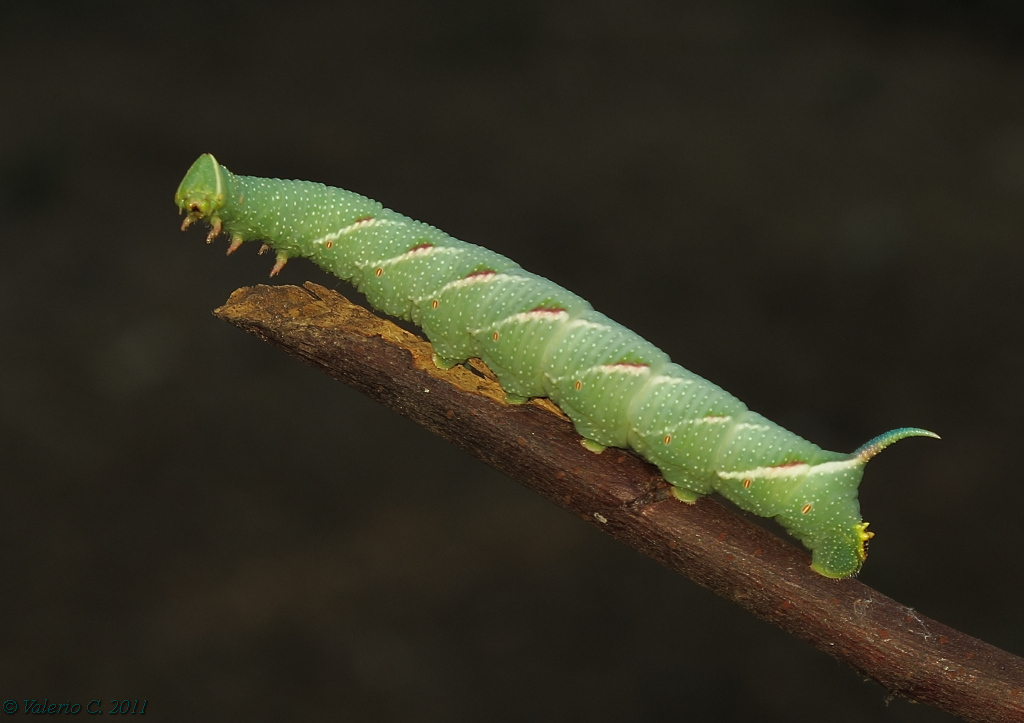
536 445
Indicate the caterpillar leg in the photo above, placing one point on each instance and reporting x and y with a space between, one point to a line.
279 263
842 552
685 495
445 363
592 446
686 486
216 225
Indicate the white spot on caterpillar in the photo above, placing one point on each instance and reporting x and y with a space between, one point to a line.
600 518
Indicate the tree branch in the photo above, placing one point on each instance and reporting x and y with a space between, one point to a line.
535 445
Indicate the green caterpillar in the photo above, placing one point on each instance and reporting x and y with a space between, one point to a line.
543 341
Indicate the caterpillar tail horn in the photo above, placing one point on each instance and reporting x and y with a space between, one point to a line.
876 445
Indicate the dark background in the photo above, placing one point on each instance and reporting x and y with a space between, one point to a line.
819 210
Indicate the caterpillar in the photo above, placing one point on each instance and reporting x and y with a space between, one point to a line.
541 340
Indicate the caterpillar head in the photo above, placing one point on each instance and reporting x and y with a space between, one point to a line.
825 515
202 192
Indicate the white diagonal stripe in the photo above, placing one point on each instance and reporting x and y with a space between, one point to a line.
634 369
479 278
789 470
365 223
415 252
